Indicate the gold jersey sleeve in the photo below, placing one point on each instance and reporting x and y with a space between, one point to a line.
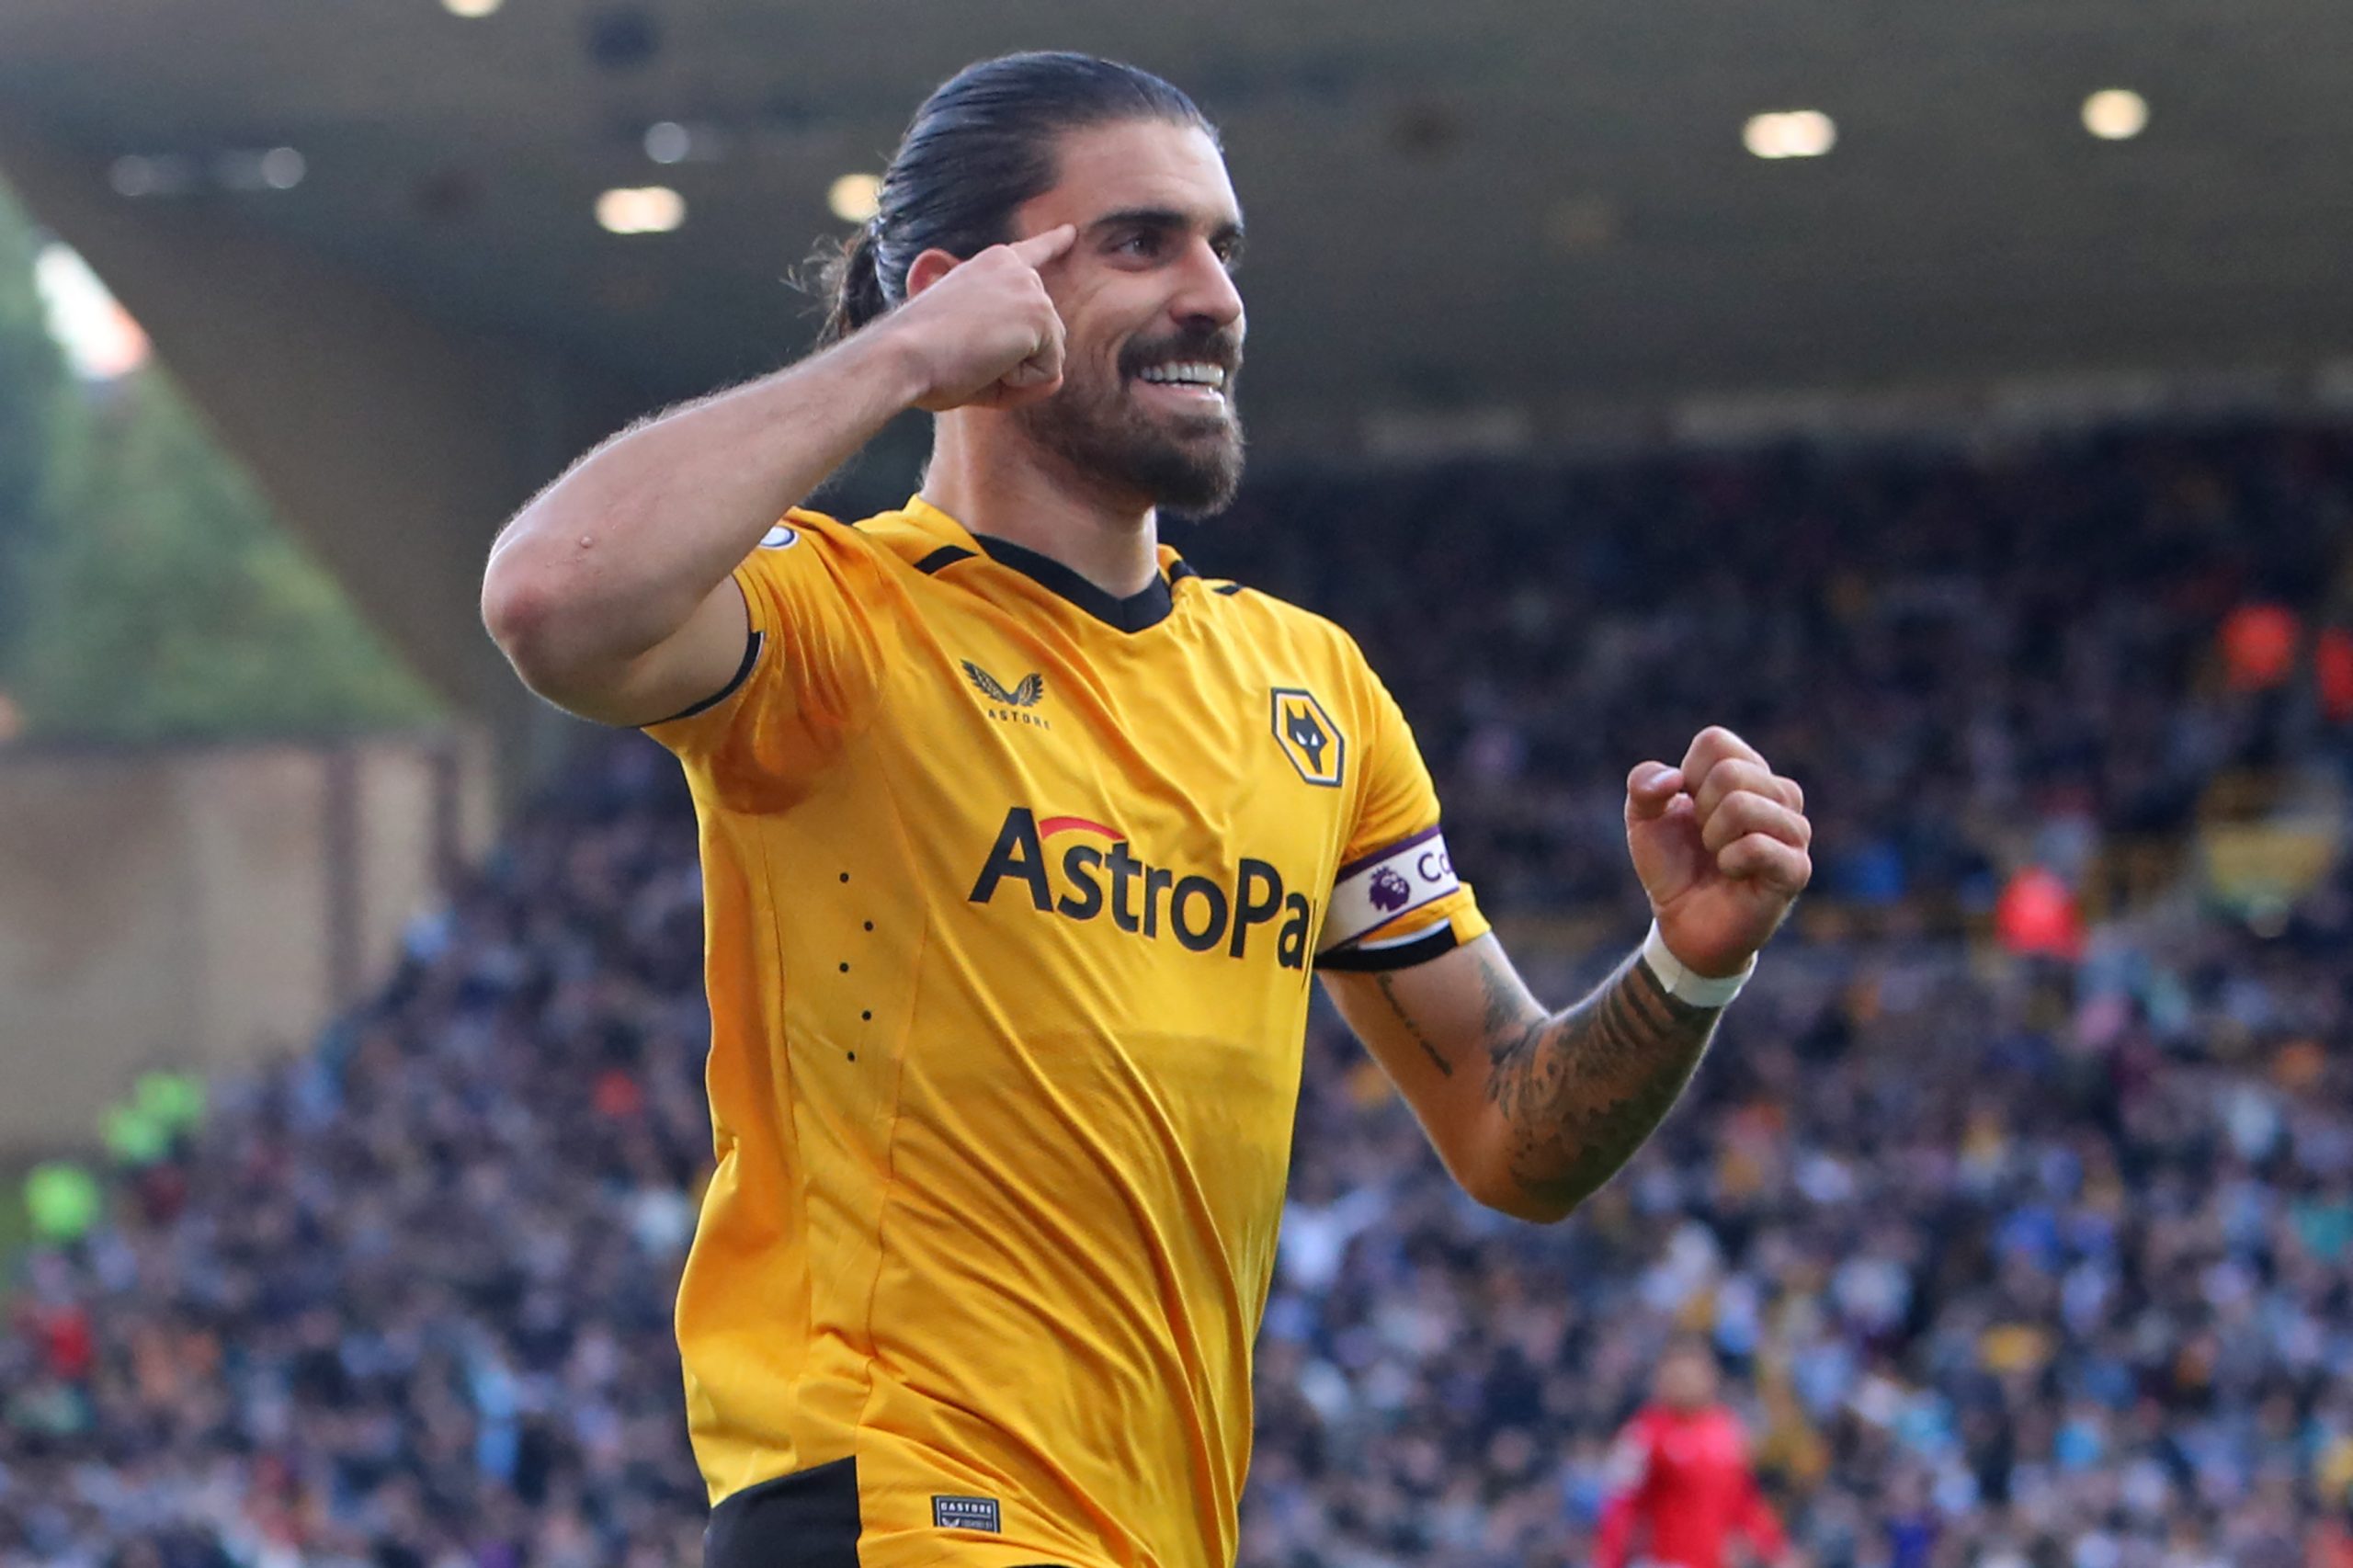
1013 891
1397 832
812 666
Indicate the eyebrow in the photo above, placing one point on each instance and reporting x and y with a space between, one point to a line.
1164 218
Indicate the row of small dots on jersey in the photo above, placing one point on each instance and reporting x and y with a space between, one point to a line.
865 1015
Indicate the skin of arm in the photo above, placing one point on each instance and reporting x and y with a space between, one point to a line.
1532 1110
612 592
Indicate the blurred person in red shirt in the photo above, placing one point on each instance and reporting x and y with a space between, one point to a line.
2330 1544
1680 1475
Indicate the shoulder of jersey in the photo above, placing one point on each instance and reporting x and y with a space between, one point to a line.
885 535
1228 596
803 537
1255 606
799 526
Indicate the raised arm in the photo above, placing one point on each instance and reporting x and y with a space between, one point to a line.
1533 1110
611 592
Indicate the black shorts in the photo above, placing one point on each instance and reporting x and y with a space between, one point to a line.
807 1520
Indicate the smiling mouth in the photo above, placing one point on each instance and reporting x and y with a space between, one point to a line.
1203 374
1195 385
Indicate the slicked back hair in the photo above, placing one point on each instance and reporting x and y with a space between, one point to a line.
981 145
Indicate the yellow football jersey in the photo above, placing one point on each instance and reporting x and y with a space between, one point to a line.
1013 891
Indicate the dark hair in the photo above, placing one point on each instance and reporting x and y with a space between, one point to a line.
980 146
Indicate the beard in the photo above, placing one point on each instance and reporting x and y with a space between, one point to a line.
1186 462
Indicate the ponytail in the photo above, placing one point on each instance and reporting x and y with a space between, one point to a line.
852 281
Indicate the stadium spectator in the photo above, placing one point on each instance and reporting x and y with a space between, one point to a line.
1685 1489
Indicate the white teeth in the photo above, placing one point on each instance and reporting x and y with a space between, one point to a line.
1190 374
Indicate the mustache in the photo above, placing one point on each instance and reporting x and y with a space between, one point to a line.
1221 348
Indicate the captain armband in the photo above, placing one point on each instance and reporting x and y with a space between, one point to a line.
1384 886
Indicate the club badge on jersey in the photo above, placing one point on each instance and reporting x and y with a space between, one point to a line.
1315 743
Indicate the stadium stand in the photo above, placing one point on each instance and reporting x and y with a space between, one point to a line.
2016 1257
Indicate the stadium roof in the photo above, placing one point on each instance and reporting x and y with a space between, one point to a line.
1487 204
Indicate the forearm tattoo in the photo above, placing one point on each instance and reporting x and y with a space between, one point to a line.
1580 1090
1388 985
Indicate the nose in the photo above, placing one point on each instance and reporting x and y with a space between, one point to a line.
1207 294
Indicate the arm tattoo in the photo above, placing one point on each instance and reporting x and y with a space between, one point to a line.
1389 994
1581 1090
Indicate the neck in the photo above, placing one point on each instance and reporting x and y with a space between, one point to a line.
995 484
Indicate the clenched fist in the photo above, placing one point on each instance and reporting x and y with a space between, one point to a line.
983 334
1722 847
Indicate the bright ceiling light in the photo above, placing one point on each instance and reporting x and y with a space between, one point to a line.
856 197
282 168
643 210
2118 114
160 173
1792 134
132 174
667 141
470 10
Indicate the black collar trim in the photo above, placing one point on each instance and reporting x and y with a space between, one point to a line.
946 555
1146 608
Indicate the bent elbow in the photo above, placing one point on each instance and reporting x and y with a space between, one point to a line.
514 605
1536 1209
523 618
1536 1203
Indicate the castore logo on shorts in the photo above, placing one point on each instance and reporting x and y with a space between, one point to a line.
1202 913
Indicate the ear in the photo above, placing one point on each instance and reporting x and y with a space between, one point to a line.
930 268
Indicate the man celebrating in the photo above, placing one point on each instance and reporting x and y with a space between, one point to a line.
1020 839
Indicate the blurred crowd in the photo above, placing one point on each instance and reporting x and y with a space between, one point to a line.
2011 1261
2027 1265
1951 647
405 1302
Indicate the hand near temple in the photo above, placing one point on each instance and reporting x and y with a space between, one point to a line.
1721 845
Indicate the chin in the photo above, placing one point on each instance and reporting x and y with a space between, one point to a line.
1187 463
1213 495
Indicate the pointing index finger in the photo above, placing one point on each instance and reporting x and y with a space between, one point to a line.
1040 249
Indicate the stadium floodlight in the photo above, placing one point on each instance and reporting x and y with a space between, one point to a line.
133 176
98 336
282 168
471 10
2116 114
159 174
855 198
250 168
1791 133
642 209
